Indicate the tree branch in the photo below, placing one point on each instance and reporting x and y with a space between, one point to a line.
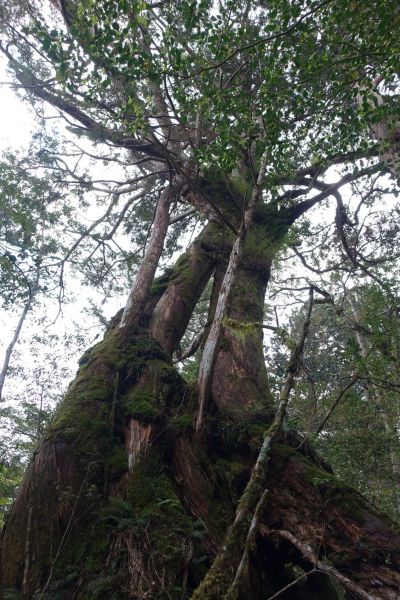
308 554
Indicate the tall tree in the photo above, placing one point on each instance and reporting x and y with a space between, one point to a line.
144 486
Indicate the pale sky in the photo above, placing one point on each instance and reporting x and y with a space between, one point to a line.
15 118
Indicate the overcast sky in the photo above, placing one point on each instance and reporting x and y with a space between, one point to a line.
15 118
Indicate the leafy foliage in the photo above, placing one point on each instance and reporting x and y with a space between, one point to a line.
360 438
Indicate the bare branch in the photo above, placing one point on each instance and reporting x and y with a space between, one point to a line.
340 395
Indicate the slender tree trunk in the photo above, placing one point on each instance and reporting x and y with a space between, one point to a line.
17 331
11 345
140 290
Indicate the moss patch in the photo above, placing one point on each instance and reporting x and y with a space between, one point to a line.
240 329
110 371
182 422
334 492
143 544
139 404
117 462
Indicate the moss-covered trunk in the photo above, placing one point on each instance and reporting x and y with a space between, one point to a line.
123 499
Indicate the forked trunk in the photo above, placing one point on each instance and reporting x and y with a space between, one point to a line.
123 500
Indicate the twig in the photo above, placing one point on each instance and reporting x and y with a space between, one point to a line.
342 392
291 584
193 346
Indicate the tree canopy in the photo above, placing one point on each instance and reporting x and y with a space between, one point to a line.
262 140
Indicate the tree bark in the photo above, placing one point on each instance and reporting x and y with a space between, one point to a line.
139 293
11 345
386 131
127 500
210 347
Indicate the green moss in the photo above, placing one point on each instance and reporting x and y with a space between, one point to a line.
240 329
150 523
159 510
111 350
11 594
260 246
334 491
247 301
158 392
160 284
181 269
141 405
86 356
99 586
232 475
268 232
215 187
104 394
115 381
281 449
148 483
221 574
256 433
165 370
117 462
241 429
227 431
182 422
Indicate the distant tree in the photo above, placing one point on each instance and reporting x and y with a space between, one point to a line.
347 395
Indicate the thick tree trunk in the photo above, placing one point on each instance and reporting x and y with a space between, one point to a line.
210 349
123 500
